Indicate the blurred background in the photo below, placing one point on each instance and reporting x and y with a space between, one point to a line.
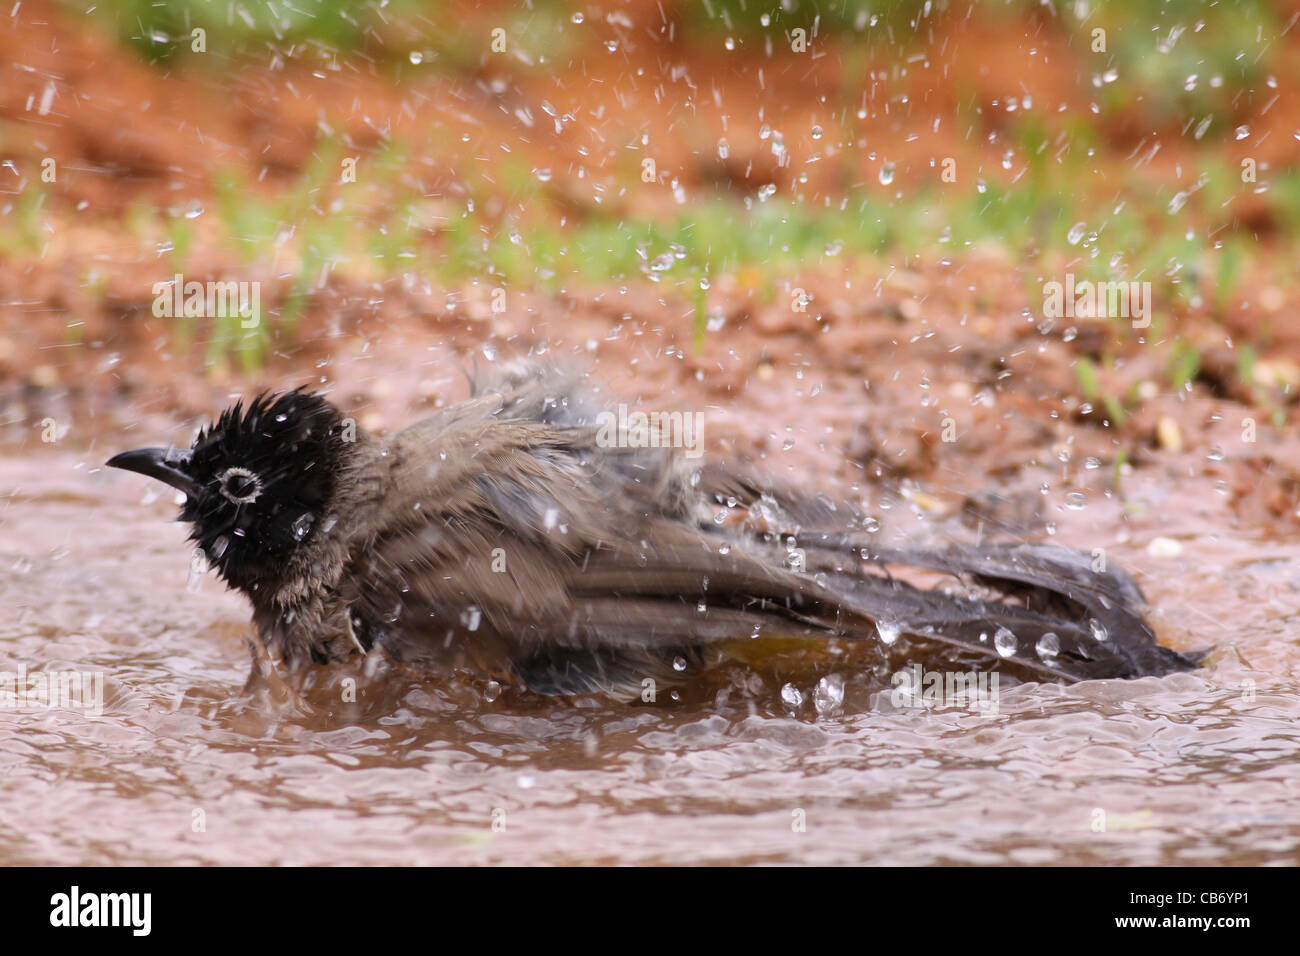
727 197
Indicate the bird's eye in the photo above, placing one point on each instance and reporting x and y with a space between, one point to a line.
239 485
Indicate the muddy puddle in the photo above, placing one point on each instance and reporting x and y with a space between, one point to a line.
182 767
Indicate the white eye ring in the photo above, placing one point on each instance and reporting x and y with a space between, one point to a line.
238 472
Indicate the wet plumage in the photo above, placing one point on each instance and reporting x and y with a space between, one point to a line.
500 535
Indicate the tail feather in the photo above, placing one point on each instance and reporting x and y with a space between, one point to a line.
1066 619
1066 616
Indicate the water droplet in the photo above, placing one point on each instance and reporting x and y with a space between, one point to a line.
886 174
679 663
888 631
492 691
543 175
1076 501
829 695
1004 642
1099 632
1048 646
197 568
791 696
1076 233
472 617
816 132
302 527
577 17
416 57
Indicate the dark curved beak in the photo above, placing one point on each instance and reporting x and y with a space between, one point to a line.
165 464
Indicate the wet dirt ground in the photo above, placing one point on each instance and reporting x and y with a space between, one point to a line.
183 767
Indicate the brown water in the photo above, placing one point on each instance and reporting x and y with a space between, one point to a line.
1195 768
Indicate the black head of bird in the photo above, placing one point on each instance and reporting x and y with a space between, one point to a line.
257 482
